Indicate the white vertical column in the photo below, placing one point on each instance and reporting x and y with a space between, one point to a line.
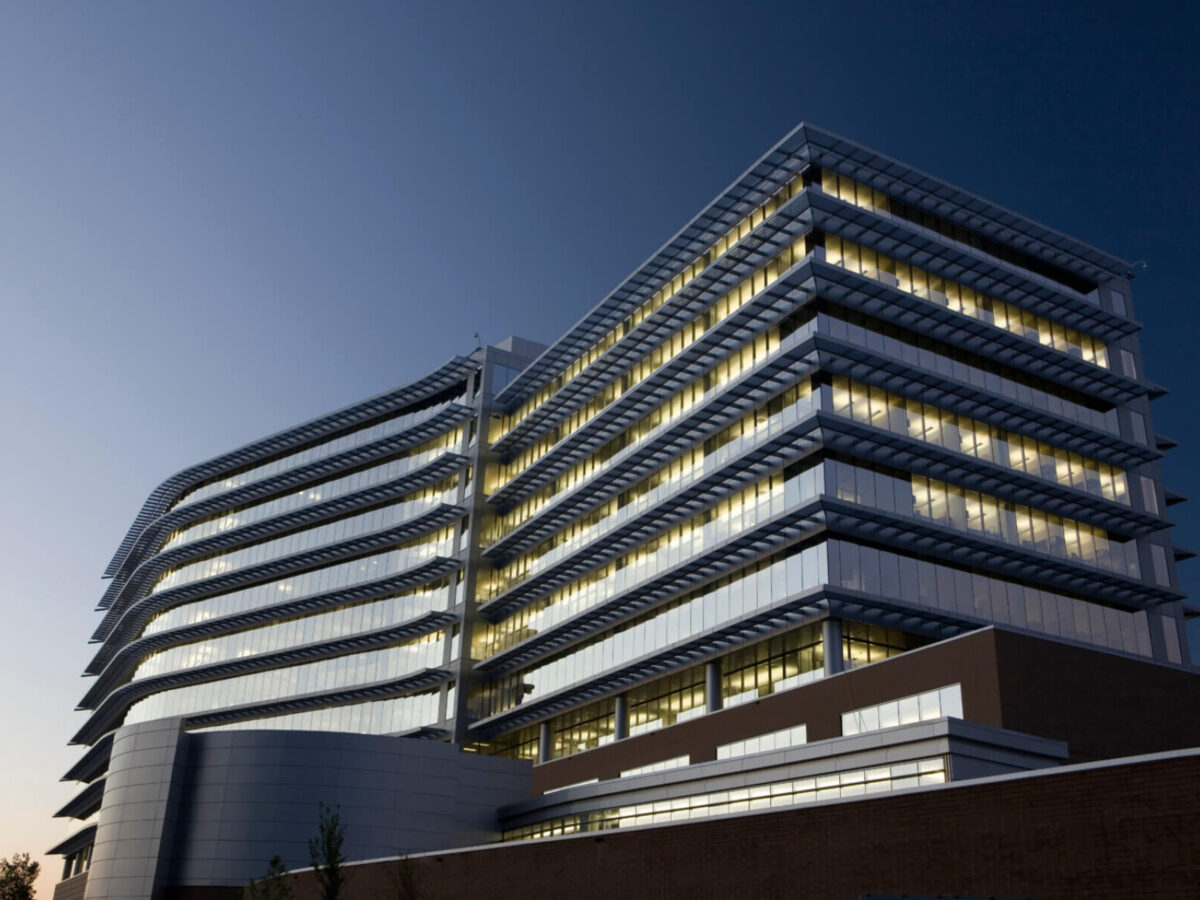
712 685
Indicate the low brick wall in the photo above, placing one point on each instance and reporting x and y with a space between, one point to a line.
1123 830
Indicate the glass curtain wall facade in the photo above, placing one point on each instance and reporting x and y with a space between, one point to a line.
844 390
312 580
847 411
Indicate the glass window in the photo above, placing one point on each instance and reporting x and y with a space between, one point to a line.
582 729
318 451
964 300
924 707
675 762
1149 494
762 584
1162 574
979 595
773 665
377 717
963 435
965 510
351 670
1171 639
960 366
1138 423
763 743
1118 302
1128 364
660 703
769 795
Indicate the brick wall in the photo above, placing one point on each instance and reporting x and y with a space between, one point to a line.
1101 704
1120 831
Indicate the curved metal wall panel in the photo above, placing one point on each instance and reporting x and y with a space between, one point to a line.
165 816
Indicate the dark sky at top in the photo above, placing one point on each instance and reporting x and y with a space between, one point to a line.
221 218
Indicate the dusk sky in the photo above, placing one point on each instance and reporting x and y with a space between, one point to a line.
219 219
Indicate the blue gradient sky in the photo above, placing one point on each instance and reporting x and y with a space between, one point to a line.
218 219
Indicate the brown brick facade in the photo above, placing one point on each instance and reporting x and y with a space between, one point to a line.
1102 705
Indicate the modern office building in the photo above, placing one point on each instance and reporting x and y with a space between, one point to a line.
852 488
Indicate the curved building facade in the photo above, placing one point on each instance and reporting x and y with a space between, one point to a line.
849 412
311 581
322 559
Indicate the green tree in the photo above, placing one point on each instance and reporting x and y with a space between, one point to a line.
405 880
17 876
273 885
325 853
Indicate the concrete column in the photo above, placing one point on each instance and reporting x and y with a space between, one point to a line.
831 636
712 685
544 742
621 717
